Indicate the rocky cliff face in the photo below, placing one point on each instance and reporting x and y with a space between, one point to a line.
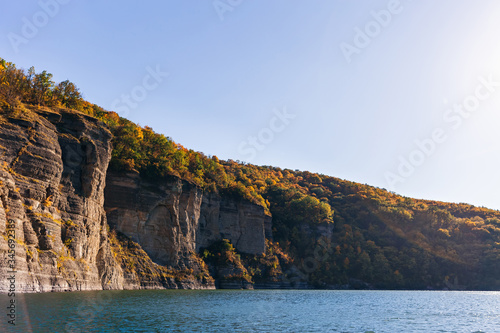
172 219
52 176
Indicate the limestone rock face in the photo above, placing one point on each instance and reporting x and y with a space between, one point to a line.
245 224
52 176
57 197
172 218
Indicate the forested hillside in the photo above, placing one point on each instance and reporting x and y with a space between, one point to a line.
328 232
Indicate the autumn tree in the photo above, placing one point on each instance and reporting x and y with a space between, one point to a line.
12 82
68 94
42 88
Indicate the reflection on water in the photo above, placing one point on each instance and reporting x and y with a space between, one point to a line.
256 311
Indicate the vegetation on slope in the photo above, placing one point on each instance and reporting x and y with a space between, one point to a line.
139 268
379 239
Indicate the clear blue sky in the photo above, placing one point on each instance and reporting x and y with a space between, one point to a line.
362 80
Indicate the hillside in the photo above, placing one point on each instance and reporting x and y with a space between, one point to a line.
314 230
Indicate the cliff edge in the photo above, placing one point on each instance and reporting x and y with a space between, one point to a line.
52 176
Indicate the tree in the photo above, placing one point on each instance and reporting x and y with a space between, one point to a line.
12 81
42 88
68 94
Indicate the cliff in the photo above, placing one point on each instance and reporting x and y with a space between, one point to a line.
52 176
172 218
55 188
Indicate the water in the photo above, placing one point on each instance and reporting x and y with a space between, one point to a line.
256 311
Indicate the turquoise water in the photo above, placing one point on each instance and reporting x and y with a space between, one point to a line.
256 311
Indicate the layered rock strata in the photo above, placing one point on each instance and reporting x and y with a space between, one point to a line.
54 213
172 219
52 177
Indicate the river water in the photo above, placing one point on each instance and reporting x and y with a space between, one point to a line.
255 311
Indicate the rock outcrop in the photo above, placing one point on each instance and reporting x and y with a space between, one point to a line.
172 219
57 197
52 176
